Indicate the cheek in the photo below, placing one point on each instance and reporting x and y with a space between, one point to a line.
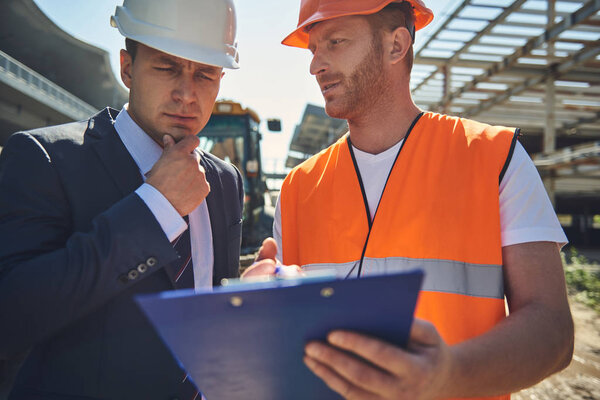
144 91
207 94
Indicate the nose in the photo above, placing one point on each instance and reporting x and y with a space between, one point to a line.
185 89
318 65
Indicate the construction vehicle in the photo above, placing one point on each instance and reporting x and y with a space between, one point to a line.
232 134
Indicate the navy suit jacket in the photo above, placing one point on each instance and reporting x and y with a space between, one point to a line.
71 230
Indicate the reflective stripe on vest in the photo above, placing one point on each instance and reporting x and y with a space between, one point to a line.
440 275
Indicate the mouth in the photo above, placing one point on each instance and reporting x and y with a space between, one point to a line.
181 118
329 87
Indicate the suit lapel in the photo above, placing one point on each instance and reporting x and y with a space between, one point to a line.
112 152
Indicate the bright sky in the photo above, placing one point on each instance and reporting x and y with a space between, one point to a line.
273 79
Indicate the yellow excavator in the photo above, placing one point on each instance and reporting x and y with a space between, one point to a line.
232 134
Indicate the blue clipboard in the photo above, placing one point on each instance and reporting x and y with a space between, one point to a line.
247 341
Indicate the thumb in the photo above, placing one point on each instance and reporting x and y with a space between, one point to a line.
268 250
424 333
168 142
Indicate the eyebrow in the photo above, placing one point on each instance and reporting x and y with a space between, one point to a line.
209 69
328 32
167 60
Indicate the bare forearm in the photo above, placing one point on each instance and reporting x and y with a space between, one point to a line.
528 346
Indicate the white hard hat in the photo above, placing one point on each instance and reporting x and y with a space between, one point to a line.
198 30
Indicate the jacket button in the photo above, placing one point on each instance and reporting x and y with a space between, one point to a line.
142 268
132 274
123 278
151 262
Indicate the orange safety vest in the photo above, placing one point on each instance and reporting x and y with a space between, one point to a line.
439 211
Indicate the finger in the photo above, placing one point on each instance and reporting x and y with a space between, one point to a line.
196 154
335 381
384 355
268 250
168 142
188 144
356 371
423 333
261 268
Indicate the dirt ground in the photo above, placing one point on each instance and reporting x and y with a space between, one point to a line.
581 379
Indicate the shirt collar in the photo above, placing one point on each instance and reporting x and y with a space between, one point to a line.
143 149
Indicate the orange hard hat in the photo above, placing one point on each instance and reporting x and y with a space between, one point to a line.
312 11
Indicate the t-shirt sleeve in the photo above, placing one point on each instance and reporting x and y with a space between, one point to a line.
526 213
277 229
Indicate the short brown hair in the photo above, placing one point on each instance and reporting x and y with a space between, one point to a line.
393 16
131 46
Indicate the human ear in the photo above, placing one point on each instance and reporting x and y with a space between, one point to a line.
126 66
401 42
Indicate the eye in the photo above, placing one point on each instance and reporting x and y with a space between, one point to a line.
164 69
207 77
336 41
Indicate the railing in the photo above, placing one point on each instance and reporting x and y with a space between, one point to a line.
24 79
567 155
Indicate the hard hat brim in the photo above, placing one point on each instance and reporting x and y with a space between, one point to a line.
191 52
299 37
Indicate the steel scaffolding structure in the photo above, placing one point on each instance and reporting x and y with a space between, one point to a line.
531 64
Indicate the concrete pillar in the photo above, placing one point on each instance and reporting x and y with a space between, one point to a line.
447 89
550 128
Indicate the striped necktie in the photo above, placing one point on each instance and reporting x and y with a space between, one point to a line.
184 278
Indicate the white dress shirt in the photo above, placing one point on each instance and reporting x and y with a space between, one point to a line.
145 152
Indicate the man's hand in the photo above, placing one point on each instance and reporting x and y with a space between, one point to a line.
179 176
266 263
419 372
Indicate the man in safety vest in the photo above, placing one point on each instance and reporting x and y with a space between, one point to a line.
406 189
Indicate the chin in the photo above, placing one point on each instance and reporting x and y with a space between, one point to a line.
180 133
333 111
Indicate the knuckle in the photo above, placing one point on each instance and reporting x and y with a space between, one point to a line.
356 371
378 348
350 392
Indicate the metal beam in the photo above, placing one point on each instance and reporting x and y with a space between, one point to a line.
582 121
580 15
578 58
449 63
450 18
442 27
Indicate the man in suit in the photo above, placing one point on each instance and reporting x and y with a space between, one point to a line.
92 214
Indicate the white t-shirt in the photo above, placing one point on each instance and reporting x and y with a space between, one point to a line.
526 213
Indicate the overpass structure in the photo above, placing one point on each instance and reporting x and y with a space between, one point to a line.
315 132
48 77
531 64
